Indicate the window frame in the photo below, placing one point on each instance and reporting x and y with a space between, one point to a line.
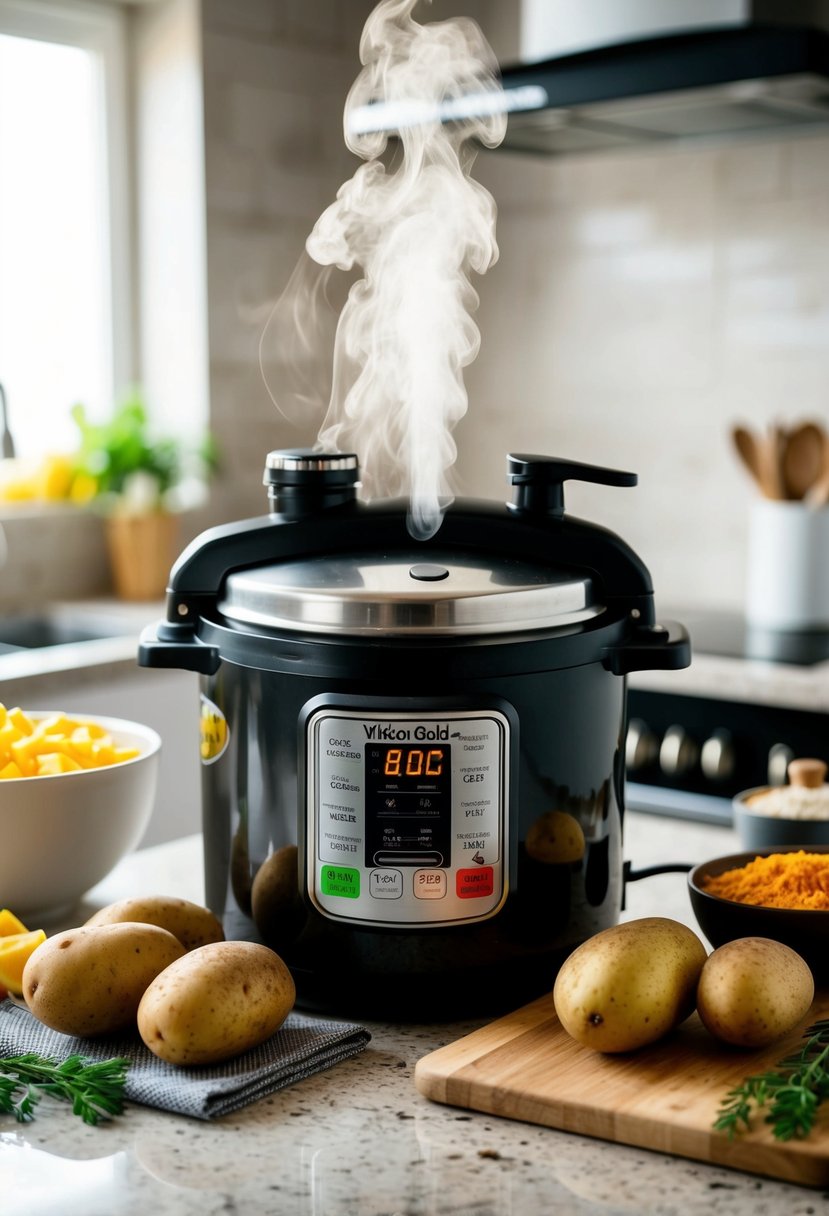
102 30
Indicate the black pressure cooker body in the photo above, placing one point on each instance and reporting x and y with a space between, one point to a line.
413 751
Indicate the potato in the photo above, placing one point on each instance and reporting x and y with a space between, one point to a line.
89 981
190 923
555 838
278 911
753 991
630 984
216 1002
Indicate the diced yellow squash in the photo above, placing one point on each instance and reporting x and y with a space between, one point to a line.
55 762
15 952
20 756
120 754
23 723
8 735
9 923
56 724
55 744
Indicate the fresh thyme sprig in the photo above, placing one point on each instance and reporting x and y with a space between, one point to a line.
96 1090
791 1095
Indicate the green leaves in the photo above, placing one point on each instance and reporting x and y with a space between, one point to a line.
96 1090
113 452
791 1095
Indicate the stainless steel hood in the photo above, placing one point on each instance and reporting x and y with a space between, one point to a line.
607 74
765 73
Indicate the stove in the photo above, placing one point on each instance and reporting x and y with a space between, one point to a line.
752 700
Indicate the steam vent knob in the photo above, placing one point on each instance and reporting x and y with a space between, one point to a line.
302 481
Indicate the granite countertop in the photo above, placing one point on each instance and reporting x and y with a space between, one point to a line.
359 1140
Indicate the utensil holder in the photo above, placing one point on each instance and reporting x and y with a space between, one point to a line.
787 585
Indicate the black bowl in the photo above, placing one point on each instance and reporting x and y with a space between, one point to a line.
723 920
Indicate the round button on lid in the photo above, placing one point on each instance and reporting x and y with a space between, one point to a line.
426 573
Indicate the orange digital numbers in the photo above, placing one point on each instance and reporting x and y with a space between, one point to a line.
417 763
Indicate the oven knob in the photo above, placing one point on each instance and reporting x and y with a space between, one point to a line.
717 756
678 752
641 746
778 763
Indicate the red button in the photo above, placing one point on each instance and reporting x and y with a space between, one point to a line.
472 884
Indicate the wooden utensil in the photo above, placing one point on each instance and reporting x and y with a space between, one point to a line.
749 453
802 459
818 494
771 456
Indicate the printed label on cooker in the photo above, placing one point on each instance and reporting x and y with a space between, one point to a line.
214 731
407 816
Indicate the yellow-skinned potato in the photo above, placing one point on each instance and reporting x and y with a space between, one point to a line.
753 990
630 984
216 1002
192 924
89 981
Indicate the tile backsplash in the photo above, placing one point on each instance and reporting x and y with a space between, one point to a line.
642 305
643 302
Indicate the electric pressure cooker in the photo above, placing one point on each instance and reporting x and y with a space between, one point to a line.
413 751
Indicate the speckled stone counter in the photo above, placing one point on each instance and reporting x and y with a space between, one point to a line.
359 1140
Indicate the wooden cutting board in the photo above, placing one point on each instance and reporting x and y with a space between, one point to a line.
664 1097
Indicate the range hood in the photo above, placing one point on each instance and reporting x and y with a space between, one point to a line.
602 74
752 67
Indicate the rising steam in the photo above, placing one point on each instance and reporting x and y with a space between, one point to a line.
415 230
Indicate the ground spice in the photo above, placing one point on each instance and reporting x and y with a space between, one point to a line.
782 880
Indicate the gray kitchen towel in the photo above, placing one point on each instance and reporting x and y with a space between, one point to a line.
301 1047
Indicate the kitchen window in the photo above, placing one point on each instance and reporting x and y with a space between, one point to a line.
65 311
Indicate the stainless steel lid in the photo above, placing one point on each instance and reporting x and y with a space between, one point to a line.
403 594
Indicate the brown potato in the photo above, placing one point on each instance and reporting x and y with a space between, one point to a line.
630 984
752 991
89 981
278 911
192 924
216 1002
555 838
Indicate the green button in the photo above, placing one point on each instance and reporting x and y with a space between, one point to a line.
340 880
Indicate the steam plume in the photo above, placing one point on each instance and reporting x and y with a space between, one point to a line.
415 230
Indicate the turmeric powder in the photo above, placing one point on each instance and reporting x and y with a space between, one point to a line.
782 880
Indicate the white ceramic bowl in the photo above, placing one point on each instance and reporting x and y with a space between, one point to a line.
60 835
759 831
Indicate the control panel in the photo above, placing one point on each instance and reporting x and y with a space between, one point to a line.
407 815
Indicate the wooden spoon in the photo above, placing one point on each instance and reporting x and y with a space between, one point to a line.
749 452
772 462
818 494
803 459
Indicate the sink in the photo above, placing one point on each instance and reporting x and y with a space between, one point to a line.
35 632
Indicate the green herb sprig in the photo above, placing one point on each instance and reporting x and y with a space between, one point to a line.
791 1094
96 1090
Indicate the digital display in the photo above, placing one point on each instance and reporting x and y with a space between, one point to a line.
414 762
408 803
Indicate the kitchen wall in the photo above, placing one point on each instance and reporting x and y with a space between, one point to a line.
643 302
275 80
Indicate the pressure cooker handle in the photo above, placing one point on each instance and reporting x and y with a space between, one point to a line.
169 644
539 481
665 647
631 875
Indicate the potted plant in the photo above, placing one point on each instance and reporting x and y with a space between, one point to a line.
142 483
